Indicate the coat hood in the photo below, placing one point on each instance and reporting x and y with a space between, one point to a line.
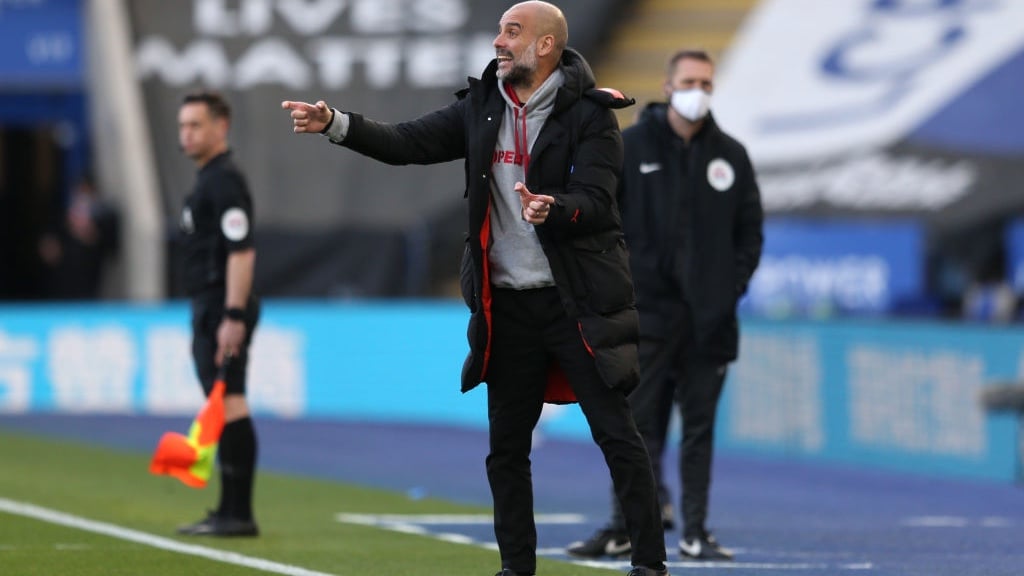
579 82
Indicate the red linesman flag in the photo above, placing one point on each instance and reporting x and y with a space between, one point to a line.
190 458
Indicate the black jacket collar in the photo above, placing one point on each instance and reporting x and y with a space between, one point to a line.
578 79
216 162
655 114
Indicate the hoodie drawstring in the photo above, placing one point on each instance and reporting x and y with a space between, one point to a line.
522 142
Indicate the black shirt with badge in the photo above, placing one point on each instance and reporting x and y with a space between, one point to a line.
216 220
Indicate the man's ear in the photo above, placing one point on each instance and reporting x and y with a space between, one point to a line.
223 126
547 45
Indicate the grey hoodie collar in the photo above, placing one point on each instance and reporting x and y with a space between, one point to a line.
543 98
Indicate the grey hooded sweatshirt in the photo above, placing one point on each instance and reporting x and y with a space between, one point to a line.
516 257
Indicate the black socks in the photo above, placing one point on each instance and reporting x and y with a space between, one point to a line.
237 456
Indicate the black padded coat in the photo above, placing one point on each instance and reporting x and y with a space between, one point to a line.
576 159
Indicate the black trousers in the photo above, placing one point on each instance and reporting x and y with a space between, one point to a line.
530 330
207 313
672 373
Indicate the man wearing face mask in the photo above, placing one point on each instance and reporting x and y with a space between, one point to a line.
692 216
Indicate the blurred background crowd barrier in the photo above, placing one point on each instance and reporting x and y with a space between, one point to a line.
888 136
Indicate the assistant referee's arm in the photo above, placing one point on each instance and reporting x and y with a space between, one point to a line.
238 278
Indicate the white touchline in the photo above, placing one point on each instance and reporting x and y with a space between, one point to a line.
420 524
448 519
819 567
55 517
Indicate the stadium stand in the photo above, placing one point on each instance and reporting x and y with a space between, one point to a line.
634 58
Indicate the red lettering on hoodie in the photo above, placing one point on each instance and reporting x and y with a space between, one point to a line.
508 157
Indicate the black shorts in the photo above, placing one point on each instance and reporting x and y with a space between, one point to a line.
207 313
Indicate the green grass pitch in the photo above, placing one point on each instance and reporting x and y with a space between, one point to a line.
296 516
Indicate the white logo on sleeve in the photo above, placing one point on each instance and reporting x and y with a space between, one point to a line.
648 167
188 226
720 174
234 224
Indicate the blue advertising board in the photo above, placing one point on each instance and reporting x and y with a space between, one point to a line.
397 361
822 267
41 43
900 396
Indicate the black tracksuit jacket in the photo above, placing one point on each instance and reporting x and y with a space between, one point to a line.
693 222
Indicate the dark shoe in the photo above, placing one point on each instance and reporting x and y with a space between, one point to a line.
706 548
641 571
214 525
507 572
605 542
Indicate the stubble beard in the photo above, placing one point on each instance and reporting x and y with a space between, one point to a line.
522 72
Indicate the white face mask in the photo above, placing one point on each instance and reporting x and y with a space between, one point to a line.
692 104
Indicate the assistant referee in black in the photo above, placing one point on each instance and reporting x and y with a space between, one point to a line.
217 240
